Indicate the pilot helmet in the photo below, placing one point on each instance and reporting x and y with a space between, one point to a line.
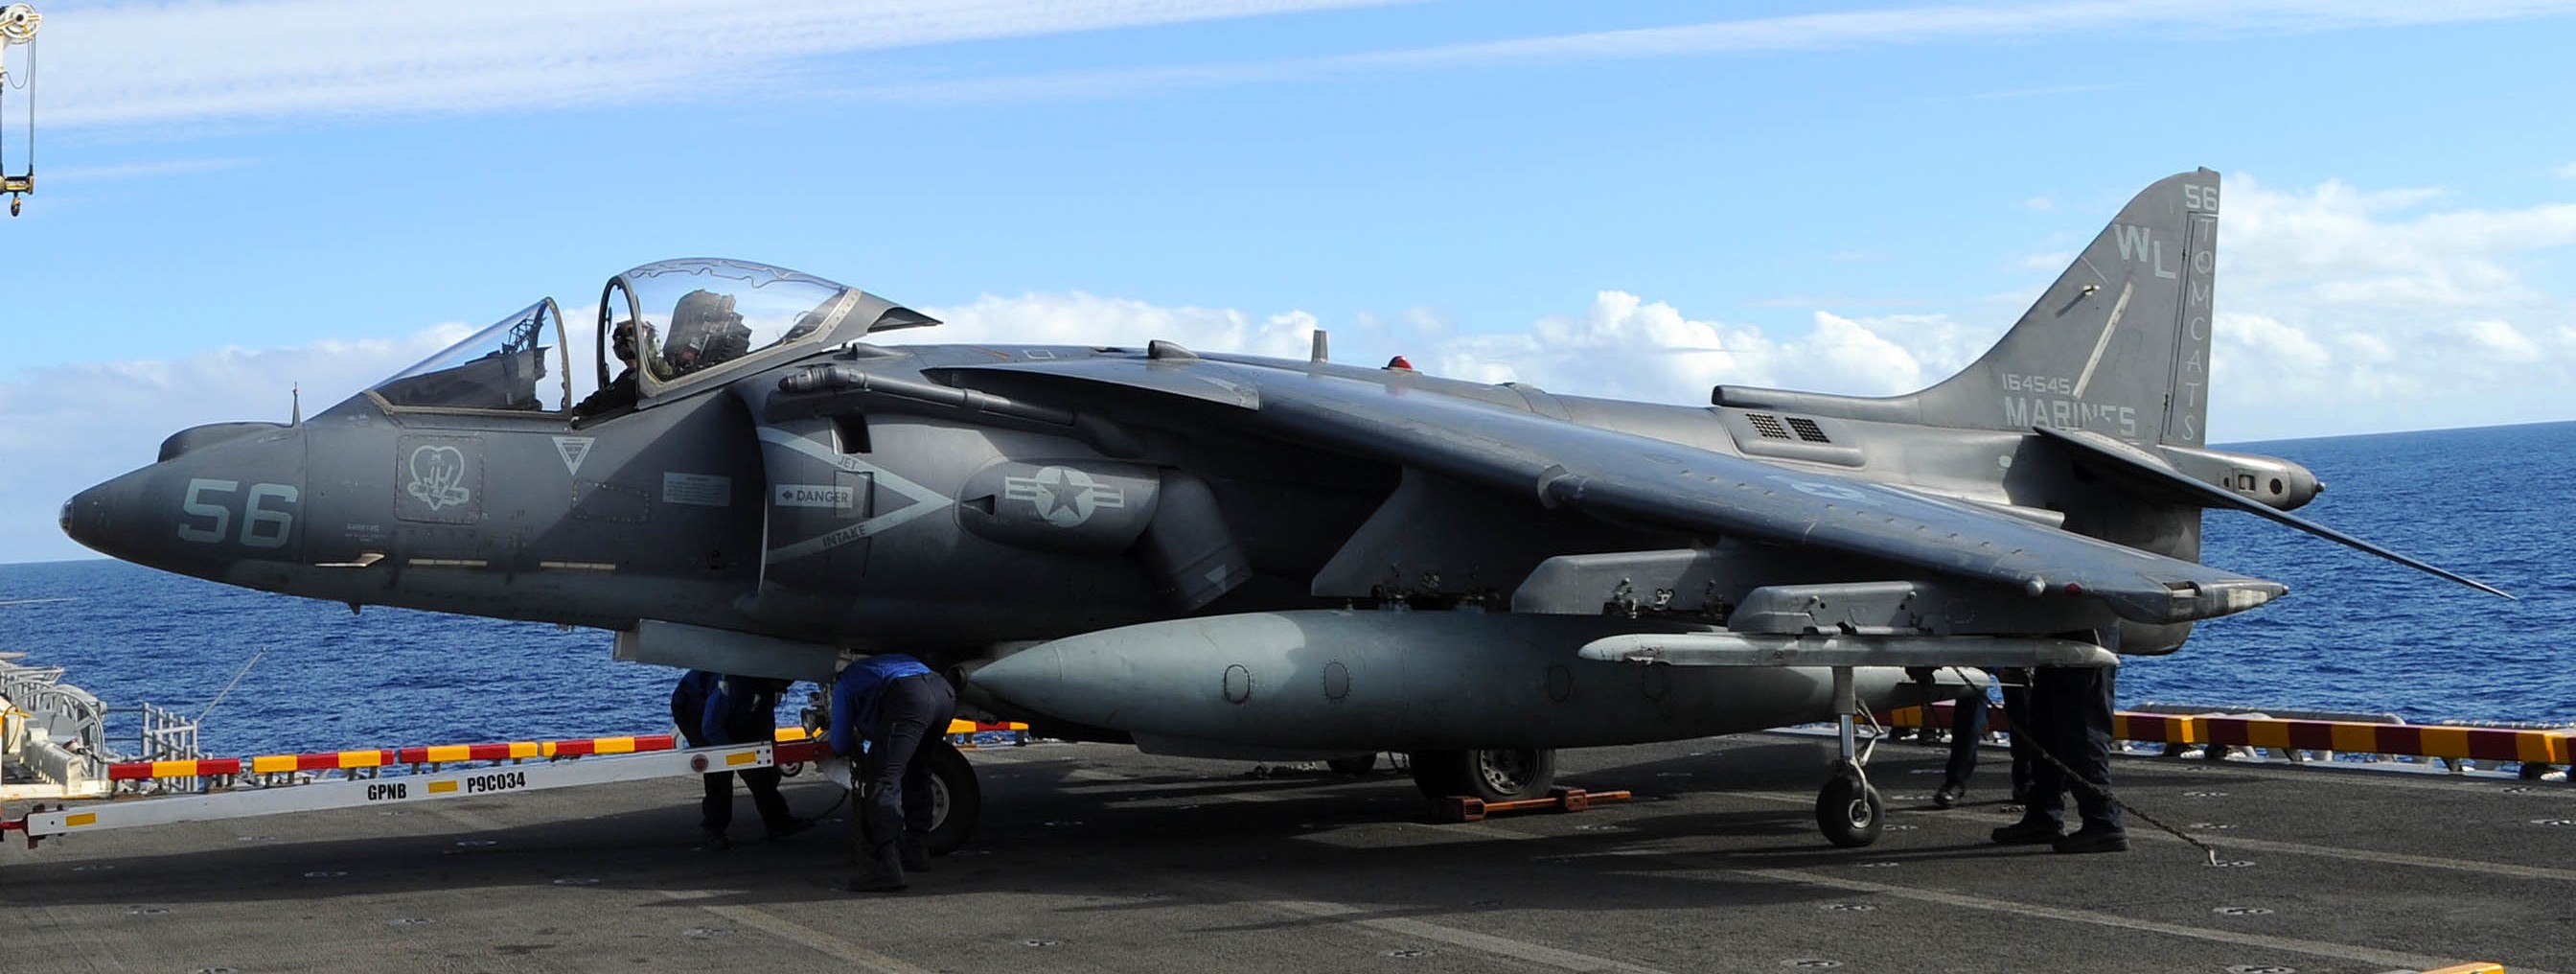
705 331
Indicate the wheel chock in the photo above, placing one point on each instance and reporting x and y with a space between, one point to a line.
1466 808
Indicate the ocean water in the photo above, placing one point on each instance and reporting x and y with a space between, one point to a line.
2356 633
2360 633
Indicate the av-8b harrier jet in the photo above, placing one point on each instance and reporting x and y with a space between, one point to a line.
1227 555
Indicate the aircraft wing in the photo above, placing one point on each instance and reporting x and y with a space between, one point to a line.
1625 476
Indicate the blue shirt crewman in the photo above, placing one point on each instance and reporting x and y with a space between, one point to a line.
1968 731
715 708
897 704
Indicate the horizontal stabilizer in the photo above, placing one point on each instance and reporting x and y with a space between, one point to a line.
1743 649
2121 456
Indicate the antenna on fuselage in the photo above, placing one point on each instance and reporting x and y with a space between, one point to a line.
295 404
1323 348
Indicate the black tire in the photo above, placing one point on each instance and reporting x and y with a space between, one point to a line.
1495 775
956 799
1354 767
1849 812
1437 773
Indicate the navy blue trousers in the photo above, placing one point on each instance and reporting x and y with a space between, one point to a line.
895 786
2070 719
1968 730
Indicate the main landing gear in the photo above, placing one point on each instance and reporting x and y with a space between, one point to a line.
1503 774
1847 808
956 799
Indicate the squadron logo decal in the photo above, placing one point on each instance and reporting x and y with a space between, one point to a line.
437 473
1064 496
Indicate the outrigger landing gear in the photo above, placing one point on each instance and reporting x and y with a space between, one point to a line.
1847 808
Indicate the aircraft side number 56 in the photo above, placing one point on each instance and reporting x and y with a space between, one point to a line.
206 517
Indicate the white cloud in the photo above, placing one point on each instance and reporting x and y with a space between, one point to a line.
142 170
2500 340
2350 311
1077 318
2567 171
163 62
64 428
2200 19
2342 311
1622 345
150 63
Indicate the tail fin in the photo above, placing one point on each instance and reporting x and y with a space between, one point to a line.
2119 345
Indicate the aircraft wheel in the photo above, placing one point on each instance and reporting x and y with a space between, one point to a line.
1354 767
1439 774
1849 811
956 800
1495 775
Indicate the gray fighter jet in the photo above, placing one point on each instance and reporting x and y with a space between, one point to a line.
1226 555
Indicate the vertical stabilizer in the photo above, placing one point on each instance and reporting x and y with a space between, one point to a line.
2119 345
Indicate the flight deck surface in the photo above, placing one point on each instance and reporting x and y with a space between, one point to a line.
1097 858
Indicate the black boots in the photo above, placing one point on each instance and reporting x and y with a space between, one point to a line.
913 852
880 870
2029 831
2094 837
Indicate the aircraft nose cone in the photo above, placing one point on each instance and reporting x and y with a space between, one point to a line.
87 517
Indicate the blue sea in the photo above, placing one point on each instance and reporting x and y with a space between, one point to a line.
2355 634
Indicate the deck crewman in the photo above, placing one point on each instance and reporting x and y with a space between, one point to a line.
895 703
2069 712
715 708
1968 732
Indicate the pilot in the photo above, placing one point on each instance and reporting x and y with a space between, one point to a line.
2069 713
705 332
619 393
713 709
896 703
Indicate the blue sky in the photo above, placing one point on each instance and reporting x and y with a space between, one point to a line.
1631 199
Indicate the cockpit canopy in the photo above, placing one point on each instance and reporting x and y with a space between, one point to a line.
661 326
496 368
707 315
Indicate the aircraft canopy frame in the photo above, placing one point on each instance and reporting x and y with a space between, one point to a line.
497 369
701 318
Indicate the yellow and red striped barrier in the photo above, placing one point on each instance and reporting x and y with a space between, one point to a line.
1939 716
794 744
141 770
2417 740
610 745
2421 740
332 761
355 760
2163 728
443 753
